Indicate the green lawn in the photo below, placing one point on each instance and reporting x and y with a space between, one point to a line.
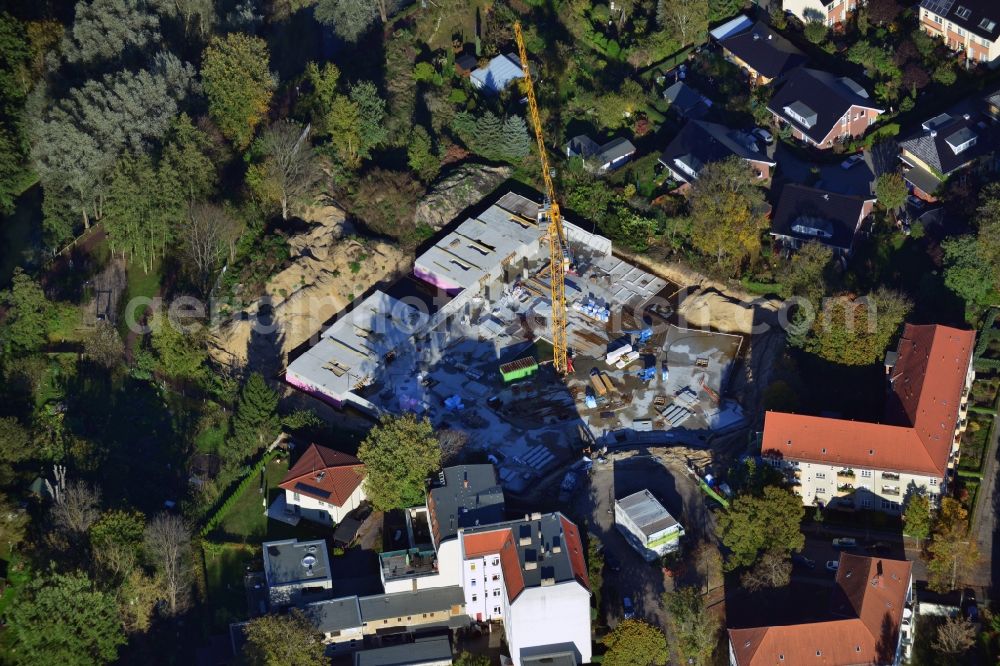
224 570
210 439
60 367
141 285
246 520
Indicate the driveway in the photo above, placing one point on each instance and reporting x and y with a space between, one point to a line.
644 582
859 179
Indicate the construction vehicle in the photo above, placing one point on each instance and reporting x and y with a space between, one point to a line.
640 337
549 212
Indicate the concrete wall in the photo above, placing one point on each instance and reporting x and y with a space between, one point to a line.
482 581
321 512
543 618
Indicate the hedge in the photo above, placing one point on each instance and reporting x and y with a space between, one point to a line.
969 474
219 515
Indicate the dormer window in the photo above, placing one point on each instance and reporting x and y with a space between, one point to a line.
801 114
987 25
963 12
961 140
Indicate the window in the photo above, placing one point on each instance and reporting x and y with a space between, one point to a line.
475 598
496 592
885 504
866 474
937 19
820 475
866 504
821 491
496 561
472 566
496 610
473 582
295 496
496 577
933 482
861 113
962 13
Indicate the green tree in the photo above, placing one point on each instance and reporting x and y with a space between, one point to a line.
399 454
635 643
857 331
371 110
282 640
64 619
988 234
727 214
917 516
351 19
317 100
181 355
344 124
106 29
24 328
104 346
967 273
815 31
890 190
188 153
805 274
469 659
385 201
694 627
255 421
773 569
420 155
238 85
116 542
15 441
685 20
15 81
723 9
14 522
595 568
758 522
953 549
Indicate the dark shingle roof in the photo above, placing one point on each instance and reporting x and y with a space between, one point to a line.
401 604
827 95
465 495
424 650
686 100
980 17
700 143
834 217
334 614
764 50
934 143
614 149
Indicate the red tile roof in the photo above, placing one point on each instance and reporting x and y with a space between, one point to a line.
324 474
575 546
927 382
869 593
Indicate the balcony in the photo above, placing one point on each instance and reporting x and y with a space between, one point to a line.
845 489
845 473
891 491
408 563
890 476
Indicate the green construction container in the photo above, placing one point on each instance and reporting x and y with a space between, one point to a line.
519 369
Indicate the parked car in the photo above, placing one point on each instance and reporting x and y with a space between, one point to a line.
628 608
852 161
802 560
845 542
763 135
915 201
832 565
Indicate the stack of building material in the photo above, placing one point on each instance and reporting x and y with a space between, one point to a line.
519 369
676 415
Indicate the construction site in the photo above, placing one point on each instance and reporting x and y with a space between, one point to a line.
466 341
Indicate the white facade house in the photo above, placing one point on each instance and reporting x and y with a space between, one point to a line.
859 465
647 526
323 486
530 575
829 12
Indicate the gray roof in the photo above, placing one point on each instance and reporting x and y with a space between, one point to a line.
551 659
465 496
685 100
334 614
763 49
700 143
826 96
290 561
427 650
646 512
811 214
614 149
934 143
402 604
500 71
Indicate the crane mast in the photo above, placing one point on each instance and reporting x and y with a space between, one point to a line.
549 212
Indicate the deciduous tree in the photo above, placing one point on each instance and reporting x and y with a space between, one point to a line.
953 551
917 516
15 441
207 236
351 19
695 628
181 353
287 168
805 274
104 346
106 29
773 569
727 213
686 20
857 331
954 637
815 31
238 85
967 273
385 201
399 454
890 190
64 619
167 542
187 151
635 643
755 523
283 640
75 508
116 541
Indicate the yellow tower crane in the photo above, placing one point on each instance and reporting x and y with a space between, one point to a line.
549 213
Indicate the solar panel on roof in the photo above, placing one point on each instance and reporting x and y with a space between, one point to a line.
311 490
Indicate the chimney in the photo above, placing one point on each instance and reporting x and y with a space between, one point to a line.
536 516
465 479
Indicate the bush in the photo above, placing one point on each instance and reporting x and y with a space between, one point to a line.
815 31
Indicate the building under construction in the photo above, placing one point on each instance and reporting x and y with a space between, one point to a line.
466 341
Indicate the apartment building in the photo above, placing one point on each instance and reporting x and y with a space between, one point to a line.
821 108
969 27
854 464
830 12
872 621
530 575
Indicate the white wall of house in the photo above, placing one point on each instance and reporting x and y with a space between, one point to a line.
485 592
322 512
449 572
547 618
647 545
